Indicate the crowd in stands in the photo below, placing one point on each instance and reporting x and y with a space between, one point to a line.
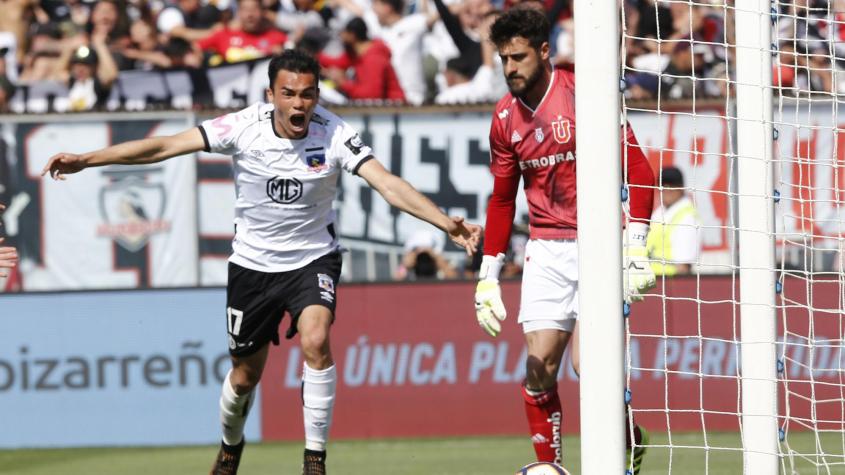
405 51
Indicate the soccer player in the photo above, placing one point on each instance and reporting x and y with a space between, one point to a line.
287 157
533 136
8 254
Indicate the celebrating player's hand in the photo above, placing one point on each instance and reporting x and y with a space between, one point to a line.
465 234
63 164
489 308
638 277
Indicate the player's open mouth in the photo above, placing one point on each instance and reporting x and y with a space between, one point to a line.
297 121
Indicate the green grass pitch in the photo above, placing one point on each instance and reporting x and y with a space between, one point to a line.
458 456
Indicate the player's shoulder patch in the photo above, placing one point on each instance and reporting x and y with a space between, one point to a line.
354 144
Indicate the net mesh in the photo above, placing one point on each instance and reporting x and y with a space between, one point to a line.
683 359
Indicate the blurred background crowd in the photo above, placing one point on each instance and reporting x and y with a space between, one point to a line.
407 51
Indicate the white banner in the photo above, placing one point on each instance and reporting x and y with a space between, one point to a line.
107 227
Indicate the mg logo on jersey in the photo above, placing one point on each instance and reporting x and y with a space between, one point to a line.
560 128
284 190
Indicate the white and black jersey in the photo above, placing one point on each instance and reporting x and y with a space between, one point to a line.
284 188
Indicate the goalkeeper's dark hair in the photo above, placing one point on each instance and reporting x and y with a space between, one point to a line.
294 61
527 23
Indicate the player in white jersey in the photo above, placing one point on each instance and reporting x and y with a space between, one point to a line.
287 156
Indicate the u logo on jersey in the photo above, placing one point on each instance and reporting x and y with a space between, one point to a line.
560 128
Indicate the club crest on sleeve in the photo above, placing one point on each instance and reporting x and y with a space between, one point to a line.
561 131
538 135
354 144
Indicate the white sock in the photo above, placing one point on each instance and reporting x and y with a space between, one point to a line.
233 411
318 389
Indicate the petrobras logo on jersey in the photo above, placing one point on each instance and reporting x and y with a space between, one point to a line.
284 190
547 161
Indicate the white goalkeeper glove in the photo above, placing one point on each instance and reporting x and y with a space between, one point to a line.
489 308
638 277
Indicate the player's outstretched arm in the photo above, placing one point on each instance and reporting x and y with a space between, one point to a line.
135 152
402 195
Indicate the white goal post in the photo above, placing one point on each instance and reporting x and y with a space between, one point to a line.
750 361
755 196
599 209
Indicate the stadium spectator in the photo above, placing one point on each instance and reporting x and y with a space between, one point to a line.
296 17
805 30
15 18
403 34
255 38
364 71
464 26
181 54
42 59
7 88
89 72
286 258
9 54
536 119
189 20
674 243
109 23
678 79
423 259
485 85
8 254
145 51
648 24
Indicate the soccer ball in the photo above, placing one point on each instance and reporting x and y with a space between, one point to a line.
542 468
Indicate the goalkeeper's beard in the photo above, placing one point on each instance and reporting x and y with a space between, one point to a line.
529 83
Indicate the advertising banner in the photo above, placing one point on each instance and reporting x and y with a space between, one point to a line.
113 368
413 362
145 367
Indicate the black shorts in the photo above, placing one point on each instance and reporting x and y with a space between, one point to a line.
257 301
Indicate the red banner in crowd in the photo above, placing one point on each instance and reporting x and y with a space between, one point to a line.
413 362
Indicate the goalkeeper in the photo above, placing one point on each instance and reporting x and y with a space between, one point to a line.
532 137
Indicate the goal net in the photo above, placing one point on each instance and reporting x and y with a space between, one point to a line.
735 361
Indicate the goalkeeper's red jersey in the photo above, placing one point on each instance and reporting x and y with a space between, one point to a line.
539 145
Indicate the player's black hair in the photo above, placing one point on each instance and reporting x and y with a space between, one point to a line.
358 28
294 61
527 23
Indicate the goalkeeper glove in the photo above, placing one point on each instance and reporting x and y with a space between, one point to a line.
489 308
638 277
